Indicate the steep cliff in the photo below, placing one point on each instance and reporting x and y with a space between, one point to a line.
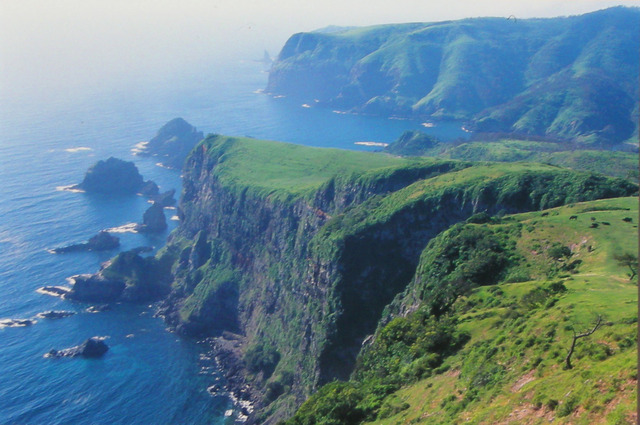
298 250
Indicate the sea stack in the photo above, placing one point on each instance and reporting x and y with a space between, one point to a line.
153 220
172 143
116 176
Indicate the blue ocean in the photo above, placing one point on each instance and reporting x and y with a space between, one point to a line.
149 375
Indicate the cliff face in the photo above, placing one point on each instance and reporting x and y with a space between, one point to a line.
300 263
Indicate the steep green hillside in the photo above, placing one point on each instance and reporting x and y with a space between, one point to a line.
482 333
572 78
281 246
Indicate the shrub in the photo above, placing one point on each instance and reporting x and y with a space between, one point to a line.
261 358
567 407
558 251
518 275
479 218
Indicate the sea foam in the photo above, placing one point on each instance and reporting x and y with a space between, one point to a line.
125 228
78 149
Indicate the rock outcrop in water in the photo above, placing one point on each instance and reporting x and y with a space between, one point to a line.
116 176
153 220
165 199
93 347
52 314
127 277
95 288
103 241
172 143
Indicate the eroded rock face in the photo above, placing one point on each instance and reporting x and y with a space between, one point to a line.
93 347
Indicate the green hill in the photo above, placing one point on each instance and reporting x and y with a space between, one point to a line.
570 78
514 290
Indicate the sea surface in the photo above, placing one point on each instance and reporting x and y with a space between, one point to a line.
149 375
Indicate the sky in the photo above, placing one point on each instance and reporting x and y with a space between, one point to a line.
72 43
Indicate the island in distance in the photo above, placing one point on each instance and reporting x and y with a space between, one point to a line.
172 143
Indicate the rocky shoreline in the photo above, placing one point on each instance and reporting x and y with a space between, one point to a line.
226 350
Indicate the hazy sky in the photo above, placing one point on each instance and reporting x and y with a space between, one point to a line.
71 43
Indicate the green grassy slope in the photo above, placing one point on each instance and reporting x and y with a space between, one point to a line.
496 354
286 170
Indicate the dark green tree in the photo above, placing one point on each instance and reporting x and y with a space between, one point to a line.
628 260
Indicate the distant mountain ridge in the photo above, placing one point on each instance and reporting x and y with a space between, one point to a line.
573 78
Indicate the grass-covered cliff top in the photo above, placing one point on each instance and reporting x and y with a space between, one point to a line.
283 170
517 186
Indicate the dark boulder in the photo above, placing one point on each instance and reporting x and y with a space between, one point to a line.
116 177
103 241
56 291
